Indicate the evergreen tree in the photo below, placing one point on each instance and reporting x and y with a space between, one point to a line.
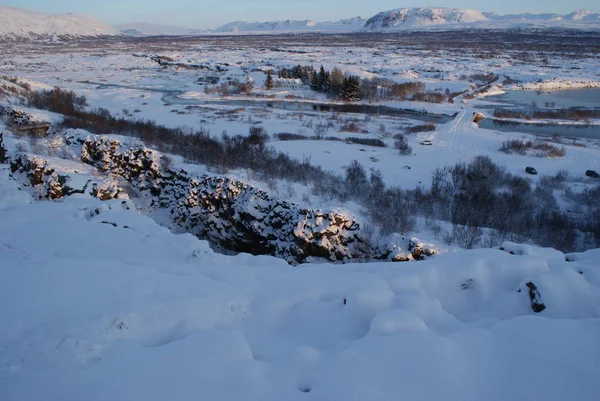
269 82
350 90
314 81
283 73
327 82
321 79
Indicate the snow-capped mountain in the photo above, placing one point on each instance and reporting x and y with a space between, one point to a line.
582 15
20 23
577 15
407 18
576 19
150 29
346 25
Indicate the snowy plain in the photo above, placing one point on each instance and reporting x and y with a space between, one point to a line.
127 310
125 80
100 302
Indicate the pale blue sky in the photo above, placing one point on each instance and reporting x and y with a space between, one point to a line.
211 13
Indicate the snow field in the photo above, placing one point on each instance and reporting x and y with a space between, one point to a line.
99 302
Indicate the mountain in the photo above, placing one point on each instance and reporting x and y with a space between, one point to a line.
24 24
150 29
576 19
410 18
521 17
346 25
583 15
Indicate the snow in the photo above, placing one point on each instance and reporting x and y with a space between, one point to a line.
559 84
411 18
150 29
98 301
17 22
345 25
397 19
93 311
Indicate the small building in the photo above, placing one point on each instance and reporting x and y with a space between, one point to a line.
287 83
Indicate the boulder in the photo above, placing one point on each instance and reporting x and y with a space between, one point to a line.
592 174
537 304
2 149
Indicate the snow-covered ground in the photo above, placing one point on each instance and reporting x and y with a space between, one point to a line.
141 81
99 302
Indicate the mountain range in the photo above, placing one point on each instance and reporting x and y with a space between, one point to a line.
18 23
409 18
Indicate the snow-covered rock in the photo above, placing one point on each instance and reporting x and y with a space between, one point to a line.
240 217
2 149
47 180
24 24
406 18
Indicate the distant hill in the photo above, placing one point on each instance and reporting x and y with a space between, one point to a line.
411 18
18 23
578 18
346 25
150 29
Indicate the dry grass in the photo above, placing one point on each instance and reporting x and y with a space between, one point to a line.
534 148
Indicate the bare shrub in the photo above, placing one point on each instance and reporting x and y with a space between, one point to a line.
367 142
350 127
286 136
466 236
536 148
420 128
402 145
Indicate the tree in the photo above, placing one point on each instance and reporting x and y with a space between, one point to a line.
402 145
327 82
269 82
356 179
350 90
337 80
314 81
321 79
283 73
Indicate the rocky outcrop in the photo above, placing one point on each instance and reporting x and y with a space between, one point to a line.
49 183
2 149
15 117
537 304
240 217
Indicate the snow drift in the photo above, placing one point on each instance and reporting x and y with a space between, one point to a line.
98 302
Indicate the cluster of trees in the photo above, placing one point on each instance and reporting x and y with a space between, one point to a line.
352 88
334 83
482 194
469 195
231 87
56 100
303 72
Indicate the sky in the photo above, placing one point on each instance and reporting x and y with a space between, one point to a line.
203 14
